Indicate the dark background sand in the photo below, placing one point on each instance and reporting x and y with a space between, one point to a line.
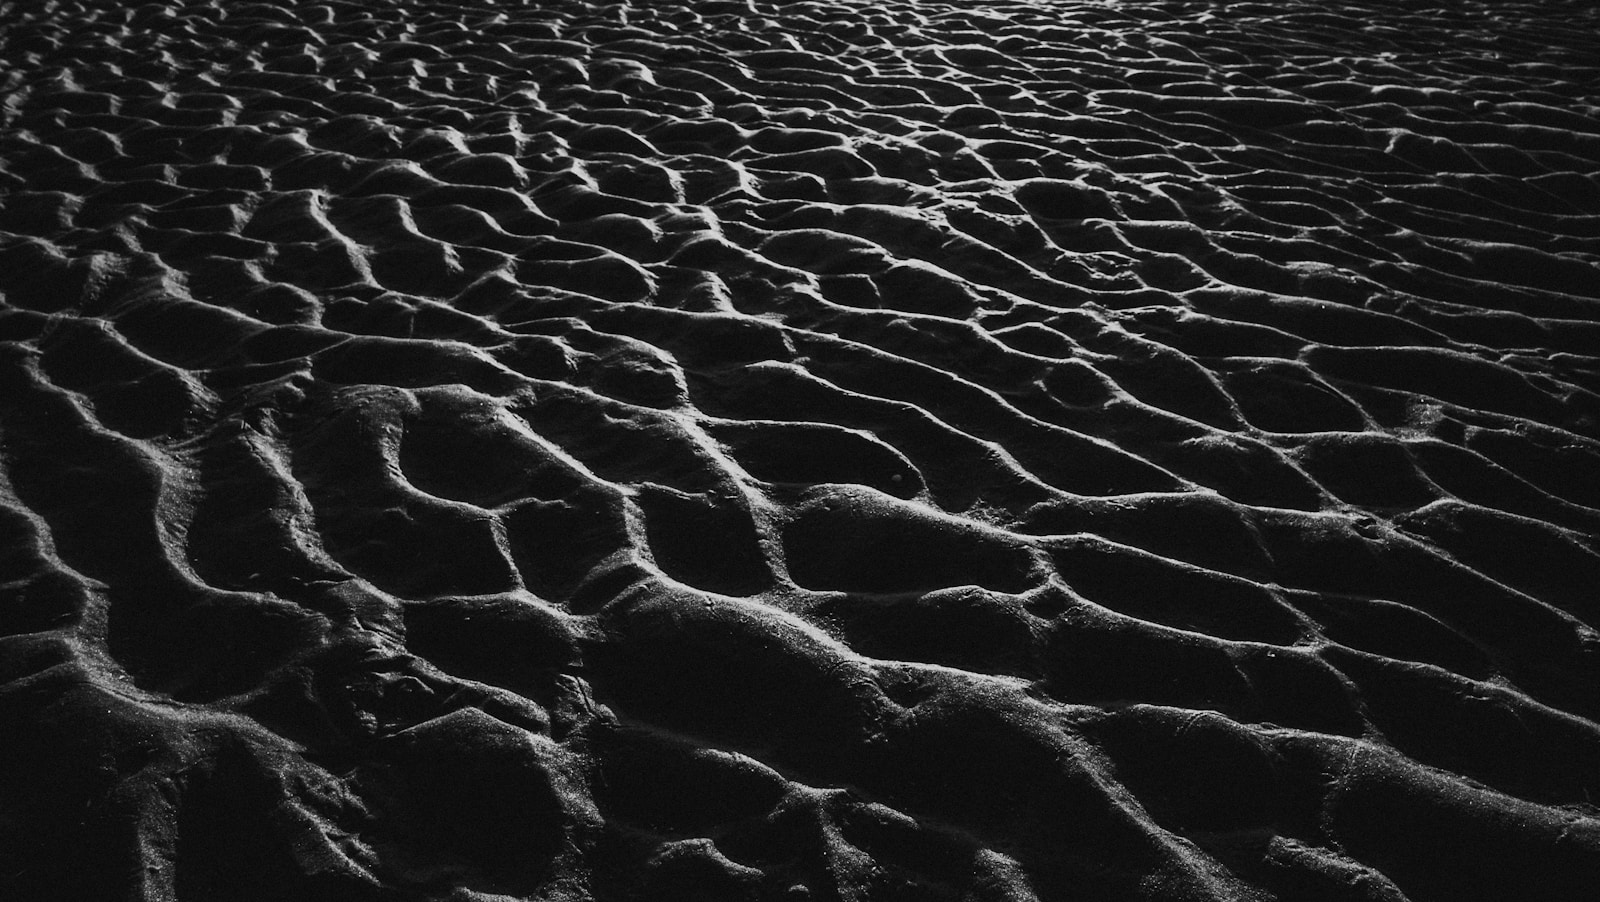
847 451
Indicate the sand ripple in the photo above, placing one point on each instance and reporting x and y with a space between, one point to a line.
743 450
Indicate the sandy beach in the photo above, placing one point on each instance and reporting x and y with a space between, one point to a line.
722 451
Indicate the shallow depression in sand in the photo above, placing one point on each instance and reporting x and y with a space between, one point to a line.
750 451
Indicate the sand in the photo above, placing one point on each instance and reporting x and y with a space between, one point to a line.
782 451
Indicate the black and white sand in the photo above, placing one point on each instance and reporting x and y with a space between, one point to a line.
952 452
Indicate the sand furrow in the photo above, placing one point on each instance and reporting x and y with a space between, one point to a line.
725 449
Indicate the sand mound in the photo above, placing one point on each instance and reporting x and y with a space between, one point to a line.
755 451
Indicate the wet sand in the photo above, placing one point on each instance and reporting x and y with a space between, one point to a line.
783 451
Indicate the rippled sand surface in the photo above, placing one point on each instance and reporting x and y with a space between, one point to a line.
783 451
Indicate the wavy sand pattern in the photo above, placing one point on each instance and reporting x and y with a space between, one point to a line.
837 451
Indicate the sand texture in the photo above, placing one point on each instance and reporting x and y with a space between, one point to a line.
853 451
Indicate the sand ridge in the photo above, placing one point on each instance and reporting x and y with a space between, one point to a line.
743 450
